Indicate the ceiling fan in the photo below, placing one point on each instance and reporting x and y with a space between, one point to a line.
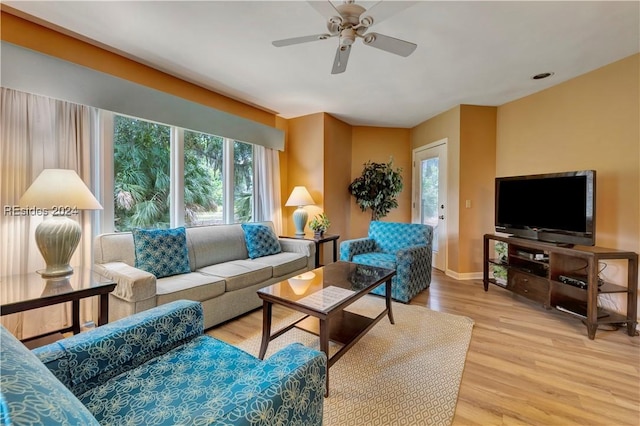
350 21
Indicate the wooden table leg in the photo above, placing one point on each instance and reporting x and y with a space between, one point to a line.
267 308
324 347
388 300
103 310
632 297
485 268
75 316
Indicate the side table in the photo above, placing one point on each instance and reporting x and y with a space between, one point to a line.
319 239
20 293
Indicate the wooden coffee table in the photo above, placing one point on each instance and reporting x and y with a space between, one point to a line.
323 294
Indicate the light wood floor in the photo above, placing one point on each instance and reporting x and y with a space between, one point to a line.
526 365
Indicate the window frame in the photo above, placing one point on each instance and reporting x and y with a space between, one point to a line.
176 192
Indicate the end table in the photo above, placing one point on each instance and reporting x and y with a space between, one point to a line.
20 293
319 239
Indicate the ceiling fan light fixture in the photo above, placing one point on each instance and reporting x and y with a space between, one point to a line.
366 21
347 37
369 38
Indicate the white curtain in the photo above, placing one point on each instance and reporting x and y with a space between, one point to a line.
37 133
268 203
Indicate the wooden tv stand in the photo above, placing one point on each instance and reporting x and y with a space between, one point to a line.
539 272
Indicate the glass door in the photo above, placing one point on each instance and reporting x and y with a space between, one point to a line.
429 195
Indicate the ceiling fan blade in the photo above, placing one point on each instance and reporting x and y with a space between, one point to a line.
383 10
298 40
325 8
340 61
389 44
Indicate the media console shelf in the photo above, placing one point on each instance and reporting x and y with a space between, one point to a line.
565 278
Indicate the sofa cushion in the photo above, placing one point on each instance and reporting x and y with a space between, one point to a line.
260 239
31 394
382 260
191 286
179 387
114 247
162 252
209 245
283 263
239 274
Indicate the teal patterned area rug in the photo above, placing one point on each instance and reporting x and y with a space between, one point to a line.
403 374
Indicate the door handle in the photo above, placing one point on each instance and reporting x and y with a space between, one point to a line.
441 217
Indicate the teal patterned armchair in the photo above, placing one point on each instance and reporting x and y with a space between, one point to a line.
405 247
157 367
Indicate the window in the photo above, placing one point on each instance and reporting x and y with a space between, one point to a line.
213 181
243 181
203 187
141 174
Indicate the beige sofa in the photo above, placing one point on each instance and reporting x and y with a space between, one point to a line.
223 277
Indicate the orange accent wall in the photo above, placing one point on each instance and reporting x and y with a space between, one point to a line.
305 164
30 35
325 154
379 144
589 122
477 173
337 177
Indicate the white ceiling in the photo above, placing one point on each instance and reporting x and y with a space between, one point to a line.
478 53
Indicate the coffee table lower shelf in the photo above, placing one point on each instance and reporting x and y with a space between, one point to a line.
345 329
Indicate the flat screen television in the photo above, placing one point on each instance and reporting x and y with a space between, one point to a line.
554 207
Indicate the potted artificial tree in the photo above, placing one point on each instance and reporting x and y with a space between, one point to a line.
377 188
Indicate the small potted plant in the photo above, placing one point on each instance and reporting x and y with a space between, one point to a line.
320 224
500 272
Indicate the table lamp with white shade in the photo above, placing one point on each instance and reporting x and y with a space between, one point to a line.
58 193
300 197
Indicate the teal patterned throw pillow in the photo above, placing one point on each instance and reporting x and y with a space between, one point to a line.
260 239
162 252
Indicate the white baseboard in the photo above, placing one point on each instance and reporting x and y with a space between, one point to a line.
465 276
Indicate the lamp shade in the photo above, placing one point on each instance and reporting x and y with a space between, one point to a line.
56 188
58 192
299 197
